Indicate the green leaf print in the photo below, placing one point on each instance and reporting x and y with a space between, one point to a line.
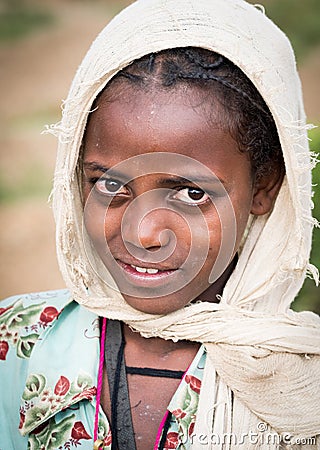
103 428
53 435
193 399
19 316
25 345
36 415
189 406
83 381
34 386
80 384
187 400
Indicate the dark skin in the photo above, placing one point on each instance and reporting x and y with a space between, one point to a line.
150 396
130 123
148 409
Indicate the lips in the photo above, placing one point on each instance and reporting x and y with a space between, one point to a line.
143 272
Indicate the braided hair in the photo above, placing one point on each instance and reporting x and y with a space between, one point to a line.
244 112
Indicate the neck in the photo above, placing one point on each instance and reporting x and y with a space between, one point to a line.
158 347
216 288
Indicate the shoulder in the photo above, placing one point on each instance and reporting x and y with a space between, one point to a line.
37 332
55 296
23 319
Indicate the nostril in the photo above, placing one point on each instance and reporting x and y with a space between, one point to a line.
156 249
166 236
153 249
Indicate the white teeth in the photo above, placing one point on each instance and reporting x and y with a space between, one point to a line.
144 270
152 271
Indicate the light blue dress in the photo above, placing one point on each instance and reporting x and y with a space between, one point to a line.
49 357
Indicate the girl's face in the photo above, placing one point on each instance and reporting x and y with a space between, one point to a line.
167 195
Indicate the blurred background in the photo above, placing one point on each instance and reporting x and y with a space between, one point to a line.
41 45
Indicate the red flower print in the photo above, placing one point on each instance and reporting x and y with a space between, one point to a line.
3 310
62 386
87 394
40 428
179 414
194 382
4 347
172 440
107 440
22 419
191 428
79 432
48 314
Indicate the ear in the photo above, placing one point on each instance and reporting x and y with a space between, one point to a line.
265 191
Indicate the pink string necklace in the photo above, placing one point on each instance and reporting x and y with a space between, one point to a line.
98 443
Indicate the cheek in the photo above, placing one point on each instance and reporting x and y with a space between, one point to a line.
224 238
195 238
242 213
101 227
215 234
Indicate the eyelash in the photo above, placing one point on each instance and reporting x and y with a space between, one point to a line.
110 180
192 202
177 191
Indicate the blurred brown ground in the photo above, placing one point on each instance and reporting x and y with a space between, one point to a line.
35 74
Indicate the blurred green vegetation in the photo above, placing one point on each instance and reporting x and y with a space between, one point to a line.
18 19
33 183
309 297
299 19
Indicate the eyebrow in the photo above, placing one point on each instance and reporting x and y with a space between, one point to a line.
95 166
194 179
165 181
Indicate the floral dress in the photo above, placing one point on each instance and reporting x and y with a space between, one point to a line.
49 353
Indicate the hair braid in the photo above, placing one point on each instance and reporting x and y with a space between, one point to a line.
246 115
224 82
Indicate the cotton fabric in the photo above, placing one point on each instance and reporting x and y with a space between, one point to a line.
56 396
266 354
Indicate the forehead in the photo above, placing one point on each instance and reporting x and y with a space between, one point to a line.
150 98
129 120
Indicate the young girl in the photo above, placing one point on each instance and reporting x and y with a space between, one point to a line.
182 200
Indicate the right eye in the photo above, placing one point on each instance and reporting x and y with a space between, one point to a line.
110 186
191 196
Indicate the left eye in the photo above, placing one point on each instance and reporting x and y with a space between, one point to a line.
110 187
191 196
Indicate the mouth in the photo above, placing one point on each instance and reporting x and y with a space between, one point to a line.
148 270
143 273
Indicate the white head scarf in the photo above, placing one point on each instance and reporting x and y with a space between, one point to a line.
259 349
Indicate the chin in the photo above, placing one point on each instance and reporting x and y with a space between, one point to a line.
155 305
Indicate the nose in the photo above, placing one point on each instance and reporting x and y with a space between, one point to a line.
150 228
147 228
150 224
